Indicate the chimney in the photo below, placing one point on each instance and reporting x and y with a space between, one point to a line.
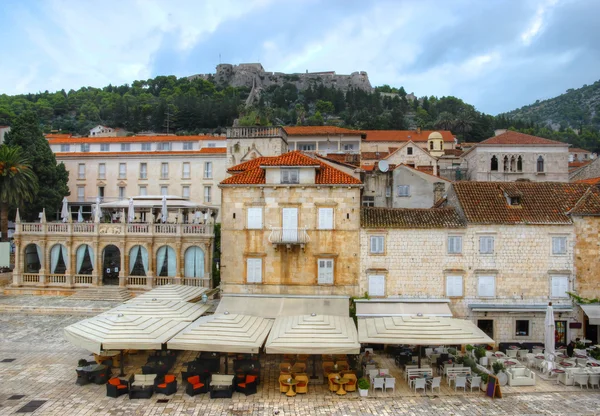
439 189
418 130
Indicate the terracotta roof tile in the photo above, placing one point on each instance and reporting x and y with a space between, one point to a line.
374 155
209 150
410 218
516 138
578 150
575 165
213 150
253 173
453 152
351 159
589 204
405 135
131 139
319 131
590 181
541 202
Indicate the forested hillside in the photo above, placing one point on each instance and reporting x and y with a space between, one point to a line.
183 106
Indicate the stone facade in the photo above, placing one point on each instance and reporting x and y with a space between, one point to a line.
247 143
588 171
587 256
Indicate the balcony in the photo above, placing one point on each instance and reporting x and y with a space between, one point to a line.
249 132
90 228
288 237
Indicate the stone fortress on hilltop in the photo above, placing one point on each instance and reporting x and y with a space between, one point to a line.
253 75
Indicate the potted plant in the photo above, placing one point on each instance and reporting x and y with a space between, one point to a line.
498 368
481 356
363 387
484 381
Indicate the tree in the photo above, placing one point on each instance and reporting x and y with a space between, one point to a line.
325 107
445 121
53 178
464 122
18 183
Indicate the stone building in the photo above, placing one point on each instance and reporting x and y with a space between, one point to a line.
382 140
247 143
511 156
324 139
117 168
290 224
104 131
496 253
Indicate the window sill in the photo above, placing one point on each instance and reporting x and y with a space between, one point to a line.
185 178
377 254
81 179
455 254
143 179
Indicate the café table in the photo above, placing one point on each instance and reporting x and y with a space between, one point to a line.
341 382
291 383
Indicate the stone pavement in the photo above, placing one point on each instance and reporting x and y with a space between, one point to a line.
44 369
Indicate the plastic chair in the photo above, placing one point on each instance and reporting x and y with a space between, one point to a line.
460 381
378 384
435 383
372 374
285 367
390 383
594 380
420 384
512 353
384 371
581 379
474 381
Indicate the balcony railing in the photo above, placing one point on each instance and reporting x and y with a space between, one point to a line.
247 132
288 236
90 228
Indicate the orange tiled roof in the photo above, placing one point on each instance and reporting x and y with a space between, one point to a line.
578 150
405 135
132 139
576 165
319 131
453 152
367 168
589 204
58 135
249 164
590 181
516 138
206 150
410 218
341 159
541 202
254 172
374 155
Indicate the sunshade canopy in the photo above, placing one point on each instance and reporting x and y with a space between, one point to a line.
378 307
223 333
159 308
275 306
313 334
154 202
119 332
592 312
171 292
417 330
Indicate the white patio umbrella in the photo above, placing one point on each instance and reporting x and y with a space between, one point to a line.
164 213
97 211
130 211
64 212
549 330
80 214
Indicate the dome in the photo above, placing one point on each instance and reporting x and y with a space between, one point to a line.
435 135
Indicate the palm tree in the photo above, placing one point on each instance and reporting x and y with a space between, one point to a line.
464 122
18 183
445 121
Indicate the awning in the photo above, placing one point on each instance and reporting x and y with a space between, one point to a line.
116 332
180 293
592 312
242 334
318 334
274 306
393 307
164 309
425 330
155 202
512 307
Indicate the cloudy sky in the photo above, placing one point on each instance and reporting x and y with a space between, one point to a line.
495 54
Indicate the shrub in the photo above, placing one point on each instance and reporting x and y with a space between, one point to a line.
479 352
497 367
364 383
469 347
485 377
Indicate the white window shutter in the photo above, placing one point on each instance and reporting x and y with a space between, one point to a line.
325 275
254 218
325 218
454 286
373 244
254 272
376 285
486 286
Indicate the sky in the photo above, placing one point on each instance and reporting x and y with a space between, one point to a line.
495 54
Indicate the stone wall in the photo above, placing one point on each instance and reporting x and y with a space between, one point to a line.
293 270
587 256
588 171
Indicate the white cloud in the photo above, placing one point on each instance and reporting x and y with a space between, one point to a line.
537 23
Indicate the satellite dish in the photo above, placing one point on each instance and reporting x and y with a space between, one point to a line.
383 165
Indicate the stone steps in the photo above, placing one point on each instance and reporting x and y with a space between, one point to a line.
102 293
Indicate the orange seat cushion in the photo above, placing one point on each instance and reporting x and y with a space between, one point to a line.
121 386
243 385
162 386
352 382
114 381
250 379
169 378
302 384
198 385
194 380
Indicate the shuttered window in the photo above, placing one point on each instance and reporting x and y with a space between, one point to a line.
486 286
376 285
377 244
255 219
560 286
325 271
403 190
454 286
454 244
559 245
254 270
325 218
486 245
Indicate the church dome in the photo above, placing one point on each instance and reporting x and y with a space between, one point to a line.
435 135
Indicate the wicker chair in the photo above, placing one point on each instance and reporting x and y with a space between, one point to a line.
282 387
247 385
333 386
197 385
166 384
115 387
351 386
302 386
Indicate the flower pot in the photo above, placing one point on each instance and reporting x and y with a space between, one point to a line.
483 386
363 392
483 361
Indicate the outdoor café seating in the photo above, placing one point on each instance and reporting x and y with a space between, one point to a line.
197 384
246 385
116 387
434 383
92 373
302 386
166 384
221 386
141 386
520 376
332 385
351 386
283 388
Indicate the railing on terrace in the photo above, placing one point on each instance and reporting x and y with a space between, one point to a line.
137 280
56 279
114 228
30 278
84 227
160 280
83 279
247 132
281 235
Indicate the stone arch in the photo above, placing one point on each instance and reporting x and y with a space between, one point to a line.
84 259
540 164
194 261
139 262
166 261
33 258
520 164
59 259
494 164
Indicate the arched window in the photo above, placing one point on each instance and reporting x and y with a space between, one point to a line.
519 164
33 258
58 259
505 163
166 262
85 259
513 164
431 145
138 261
194 262
540 164
494 164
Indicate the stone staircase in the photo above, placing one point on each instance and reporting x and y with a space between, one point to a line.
105 293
